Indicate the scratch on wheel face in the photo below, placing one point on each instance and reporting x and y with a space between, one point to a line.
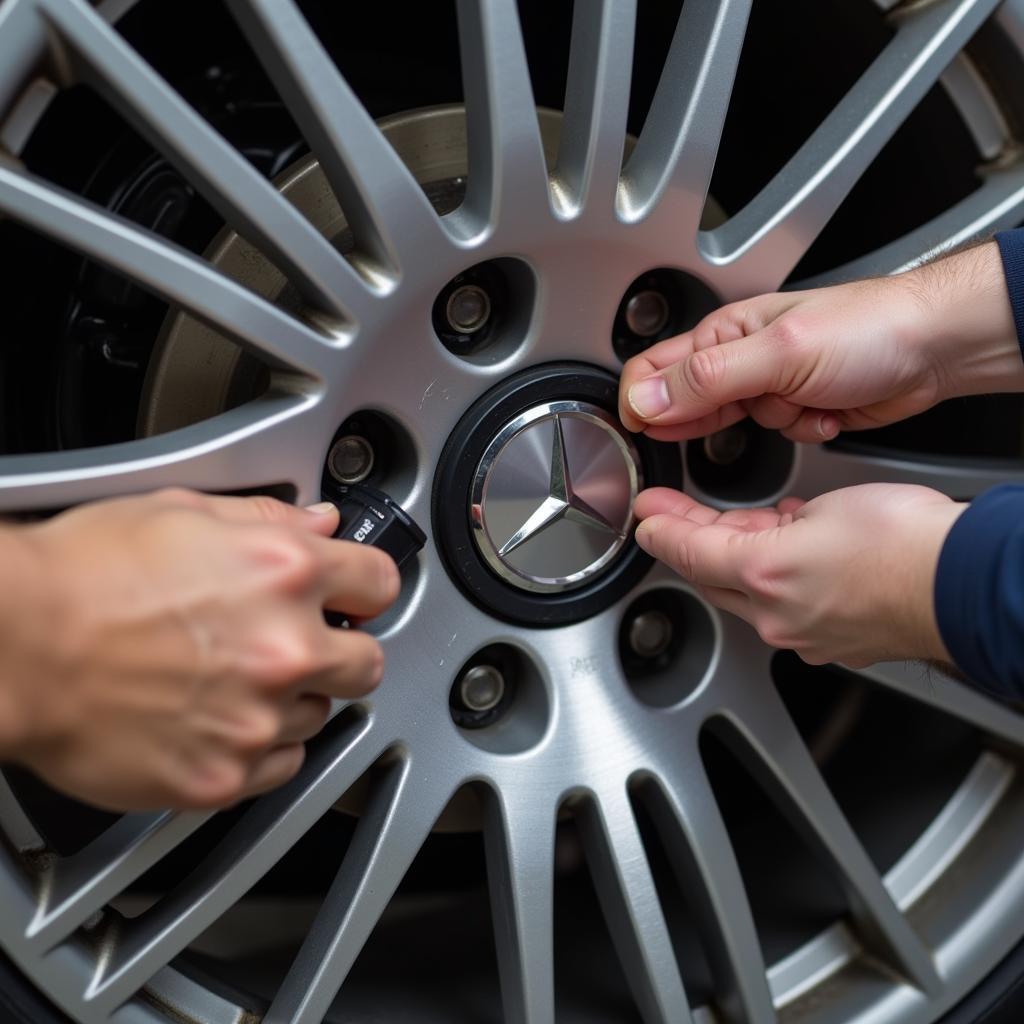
426 394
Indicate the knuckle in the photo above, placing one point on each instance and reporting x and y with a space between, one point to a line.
756 577
181 497
268 508
772 633
703 371
217 784
293 557
290 657
789 333
259 731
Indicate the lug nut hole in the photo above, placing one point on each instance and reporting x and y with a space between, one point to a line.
666 641
483 313
372 448
743 463
499 701
658 305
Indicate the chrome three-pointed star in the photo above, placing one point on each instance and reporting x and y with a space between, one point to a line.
562 501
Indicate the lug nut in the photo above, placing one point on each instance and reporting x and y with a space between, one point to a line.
351 459
647 313
482 688
725 447
650 634
468 309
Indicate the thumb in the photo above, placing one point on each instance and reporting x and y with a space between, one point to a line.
713 377
322 518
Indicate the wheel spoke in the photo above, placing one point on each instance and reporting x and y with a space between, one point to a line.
520 848
78 886
596 104
675 154
691 827
390 833
251 446
15 824
625 887
758 247
242 196
22 38
254 845
818 469
996 205
390 215
930 686
168 270
508 178
767 741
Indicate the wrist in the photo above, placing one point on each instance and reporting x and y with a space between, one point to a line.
967 334
912 610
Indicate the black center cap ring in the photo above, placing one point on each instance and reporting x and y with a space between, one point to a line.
457 471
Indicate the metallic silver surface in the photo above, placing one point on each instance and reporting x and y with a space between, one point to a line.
552 499
468 309
350 459
647 313
343 334
650 634
482 688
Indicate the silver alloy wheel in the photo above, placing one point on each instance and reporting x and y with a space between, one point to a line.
918 938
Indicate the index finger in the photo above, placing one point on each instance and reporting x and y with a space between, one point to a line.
706 555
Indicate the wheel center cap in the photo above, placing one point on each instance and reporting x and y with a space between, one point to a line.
552 497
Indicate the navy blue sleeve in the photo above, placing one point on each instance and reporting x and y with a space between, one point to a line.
979 591
1011 249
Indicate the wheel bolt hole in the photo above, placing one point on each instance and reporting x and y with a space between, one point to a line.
743 463
483 313
725 447
372 448
468 309
666 640
351 459
499 701
651 634
658 305
647 313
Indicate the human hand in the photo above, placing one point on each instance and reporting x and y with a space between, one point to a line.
849 357
847 577
171 650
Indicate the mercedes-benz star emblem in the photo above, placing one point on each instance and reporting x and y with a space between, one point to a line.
553 494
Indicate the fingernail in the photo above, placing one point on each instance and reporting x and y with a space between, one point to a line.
649 397
322 508
828 427
643 538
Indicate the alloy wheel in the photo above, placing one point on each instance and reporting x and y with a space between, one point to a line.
604 716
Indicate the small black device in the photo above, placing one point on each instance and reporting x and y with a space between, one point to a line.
371 517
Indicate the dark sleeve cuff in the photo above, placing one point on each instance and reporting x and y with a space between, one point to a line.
1011 249
979 591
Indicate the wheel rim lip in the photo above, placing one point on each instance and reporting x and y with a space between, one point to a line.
788 959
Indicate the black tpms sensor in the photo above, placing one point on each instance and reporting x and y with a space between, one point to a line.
370 517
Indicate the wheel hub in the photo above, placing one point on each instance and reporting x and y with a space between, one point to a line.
547 479
552 497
